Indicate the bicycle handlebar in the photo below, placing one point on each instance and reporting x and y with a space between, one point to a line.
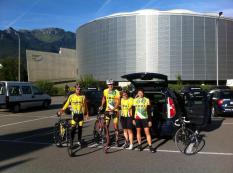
181 120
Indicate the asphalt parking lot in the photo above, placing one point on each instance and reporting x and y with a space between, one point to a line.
26 145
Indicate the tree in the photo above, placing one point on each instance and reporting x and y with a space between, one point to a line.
9 70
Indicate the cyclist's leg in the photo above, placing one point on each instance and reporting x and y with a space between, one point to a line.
139 138
80 127
147 131
129 129
115 124
107 119
123 124
72 131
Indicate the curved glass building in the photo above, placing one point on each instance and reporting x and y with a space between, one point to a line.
175 42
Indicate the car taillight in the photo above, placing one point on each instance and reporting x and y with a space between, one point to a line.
220 102
171 110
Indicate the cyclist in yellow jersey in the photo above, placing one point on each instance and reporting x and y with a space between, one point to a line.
142 118
78 105
126 119
112 98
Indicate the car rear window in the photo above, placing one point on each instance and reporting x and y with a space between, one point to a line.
227 95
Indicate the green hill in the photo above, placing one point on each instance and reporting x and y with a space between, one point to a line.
49 39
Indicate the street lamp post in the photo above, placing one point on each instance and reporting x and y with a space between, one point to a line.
19 56
216 35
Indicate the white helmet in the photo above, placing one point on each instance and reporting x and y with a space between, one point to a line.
109 82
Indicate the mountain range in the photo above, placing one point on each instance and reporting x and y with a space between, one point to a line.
48 39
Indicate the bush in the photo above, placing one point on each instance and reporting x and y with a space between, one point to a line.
175 87
47 87
88 81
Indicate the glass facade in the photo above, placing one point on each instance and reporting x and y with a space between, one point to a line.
171 44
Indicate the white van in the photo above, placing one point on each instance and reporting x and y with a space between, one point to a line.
16 95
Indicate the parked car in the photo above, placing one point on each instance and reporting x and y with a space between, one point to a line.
94 98
164 102
221 102
21 95
196 105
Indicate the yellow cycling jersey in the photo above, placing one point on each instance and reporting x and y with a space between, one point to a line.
111 98
126 107
77 103
141 107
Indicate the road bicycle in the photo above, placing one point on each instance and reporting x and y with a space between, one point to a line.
99 129
187 141
62 135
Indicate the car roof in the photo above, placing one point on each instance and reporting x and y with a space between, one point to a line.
147 80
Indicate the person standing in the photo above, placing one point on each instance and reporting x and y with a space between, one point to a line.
78 106
126 119
142 118
111 97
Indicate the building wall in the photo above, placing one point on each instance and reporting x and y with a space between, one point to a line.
165 43
52 66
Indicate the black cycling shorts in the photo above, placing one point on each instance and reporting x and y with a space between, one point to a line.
78 118
110 115
141 123
127 122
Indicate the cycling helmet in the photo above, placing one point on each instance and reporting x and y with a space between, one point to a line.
77 86
109 82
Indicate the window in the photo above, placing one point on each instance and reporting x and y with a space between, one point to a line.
14 90
26 90
2 90
36 90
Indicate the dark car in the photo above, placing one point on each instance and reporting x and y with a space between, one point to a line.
221 102
196 105
164 102
93 97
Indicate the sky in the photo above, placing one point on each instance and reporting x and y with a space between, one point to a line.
70 14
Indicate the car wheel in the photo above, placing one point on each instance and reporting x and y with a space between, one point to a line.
213 112
16 108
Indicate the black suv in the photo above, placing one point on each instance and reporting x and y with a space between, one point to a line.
196 105
164 102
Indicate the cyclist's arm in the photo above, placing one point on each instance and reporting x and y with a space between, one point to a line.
86 108
133 112
117 103
149 111
103 101
66 105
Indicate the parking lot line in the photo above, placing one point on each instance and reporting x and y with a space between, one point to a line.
21 122
228 123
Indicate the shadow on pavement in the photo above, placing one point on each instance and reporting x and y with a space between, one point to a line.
215 124
10 165
17 144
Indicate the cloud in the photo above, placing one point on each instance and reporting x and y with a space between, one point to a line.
148 4
22 15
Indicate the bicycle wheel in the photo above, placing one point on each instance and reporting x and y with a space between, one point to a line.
96 131
69 142
182 139
196 144
57 136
